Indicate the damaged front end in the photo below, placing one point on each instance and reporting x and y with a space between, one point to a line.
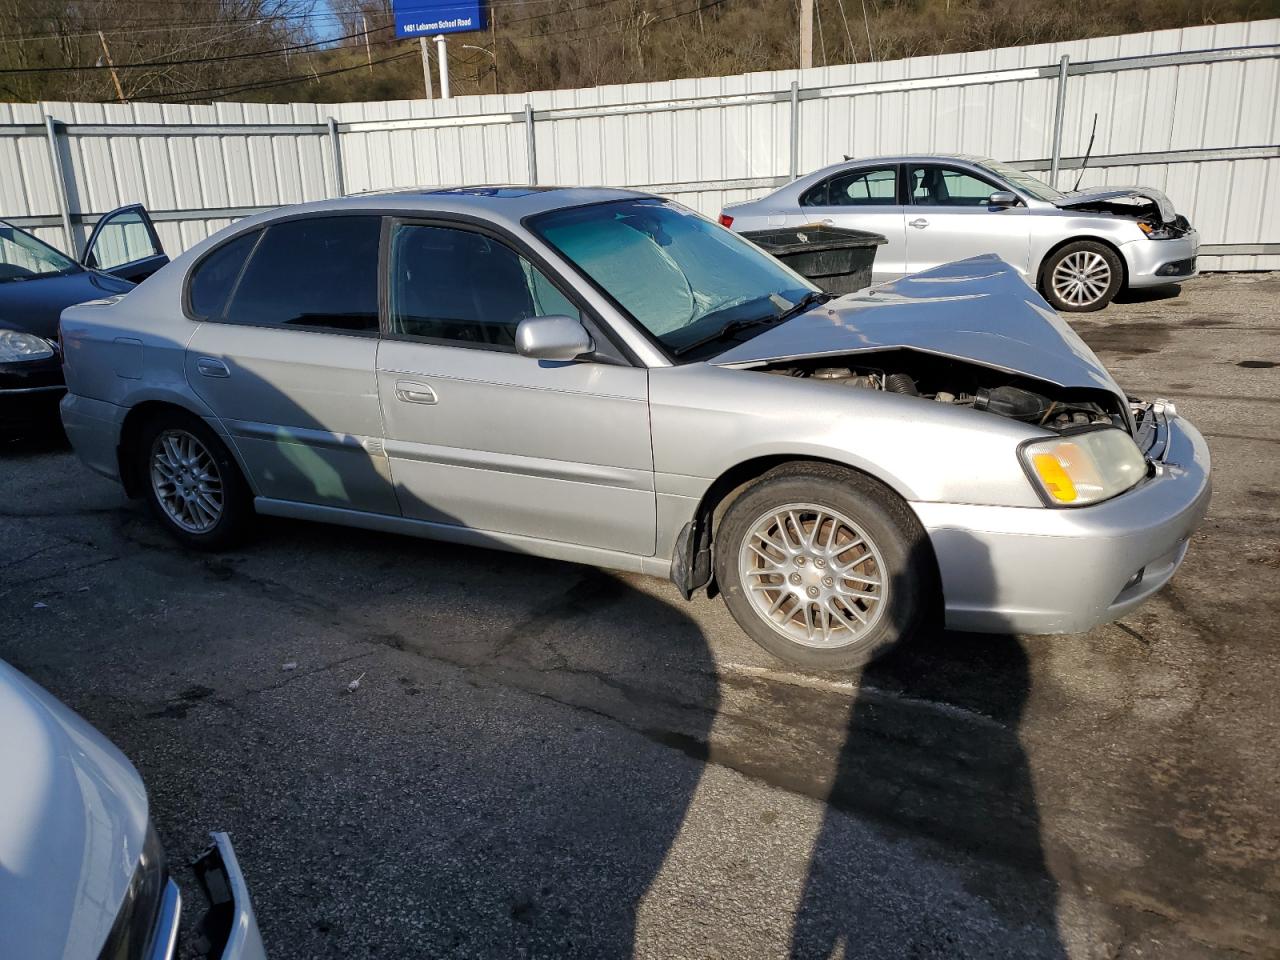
1150 209
964 384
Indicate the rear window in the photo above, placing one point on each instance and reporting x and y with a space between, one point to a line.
317 273
216 274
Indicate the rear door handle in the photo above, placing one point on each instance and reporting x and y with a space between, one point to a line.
410 391
209 367
919 223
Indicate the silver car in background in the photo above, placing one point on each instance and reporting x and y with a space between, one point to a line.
607 377
82 872
1079 249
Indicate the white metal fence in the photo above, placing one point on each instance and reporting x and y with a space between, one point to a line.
1193 112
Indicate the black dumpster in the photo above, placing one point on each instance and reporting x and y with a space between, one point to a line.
836 259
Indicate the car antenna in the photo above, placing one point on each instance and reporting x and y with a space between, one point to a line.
1088 150
847 157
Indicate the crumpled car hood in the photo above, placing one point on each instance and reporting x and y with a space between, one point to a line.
1138 196
979 310
73 819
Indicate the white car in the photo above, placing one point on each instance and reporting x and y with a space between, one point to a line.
1079 249
82 872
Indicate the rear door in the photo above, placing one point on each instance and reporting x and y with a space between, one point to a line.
124 243
863 198
285 354
950 219
481 437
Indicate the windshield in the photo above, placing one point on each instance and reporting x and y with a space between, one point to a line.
684 279
23 257
1023 181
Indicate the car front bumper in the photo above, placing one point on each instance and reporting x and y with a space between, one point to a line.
1046 570
1151 263
229 928
29 393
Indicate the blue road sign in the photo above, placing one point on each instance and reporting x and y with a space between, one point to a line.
417 17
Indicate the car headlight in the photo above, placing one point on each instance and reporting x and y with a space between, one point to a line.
1164 231
1083 468
130 935
15 346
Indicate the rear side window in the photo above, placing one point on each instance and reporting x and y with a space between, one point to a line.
317 273
216 274
876 187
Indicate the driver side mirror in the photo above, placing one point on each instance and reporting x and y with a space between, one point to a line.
553 338
1002 198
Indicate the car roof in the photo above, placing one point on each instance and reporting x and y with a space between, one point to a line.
508 203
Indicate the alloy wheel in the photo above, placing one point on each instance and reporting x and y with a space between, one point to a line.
186 481
1081 278
813 575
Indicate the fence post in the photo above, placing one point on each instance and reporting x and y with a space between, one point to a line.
1060 105
60 184
530 144
795 129
335 153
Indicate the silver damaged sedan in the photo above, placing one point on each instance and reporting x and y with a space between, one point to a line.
606 377
1079 249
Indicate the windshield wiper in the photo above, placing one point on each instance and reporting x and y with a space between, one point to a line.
733 326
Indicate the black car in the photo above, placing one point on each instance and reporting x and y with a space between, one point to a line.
37 282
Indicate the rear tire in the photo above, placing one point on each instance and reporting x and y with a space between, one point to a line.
1081 277
824 567
191 482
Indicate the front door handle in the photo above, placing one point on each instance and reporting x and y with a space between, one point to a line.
410 391
919 223
211 367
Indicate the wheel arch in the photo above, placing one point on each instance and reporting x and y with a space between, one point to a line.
691 563
131 427
1078 238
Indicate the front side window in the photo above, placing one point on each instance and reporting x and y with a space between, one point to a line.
857 188
944 187
124 238
23 257
681 277
464 289
316 272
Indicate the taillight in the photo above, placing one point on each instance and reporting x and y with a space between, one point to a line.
726 220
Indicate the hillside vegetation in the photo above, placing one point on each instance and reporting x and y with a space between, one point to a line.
300 50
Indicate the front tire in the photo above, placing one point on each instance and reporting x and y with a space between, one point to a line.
192 483
822 566
1082 277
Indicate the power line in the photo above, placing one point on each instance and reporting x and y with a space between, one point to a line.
189 61
209 93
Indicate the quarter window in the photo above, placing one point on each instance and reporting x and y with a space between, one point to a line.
316 272
941 187
216 274
464 288
876 187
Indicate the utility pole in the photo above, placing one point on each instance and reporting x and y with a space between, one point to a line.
368 52
493 42
114 76
442 56
806 34
426 67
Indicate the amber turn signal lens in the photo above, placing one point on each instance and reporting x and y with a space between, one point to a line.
1054 477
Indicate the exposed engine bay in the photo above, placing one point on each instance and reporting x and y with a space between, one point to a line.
954 382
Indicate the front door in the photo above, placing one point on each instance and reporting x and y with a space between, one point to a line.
864 198
950 219
481 437
284 355
124 243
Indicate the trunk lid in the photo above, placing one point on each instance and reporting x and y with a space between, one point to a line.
978 310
